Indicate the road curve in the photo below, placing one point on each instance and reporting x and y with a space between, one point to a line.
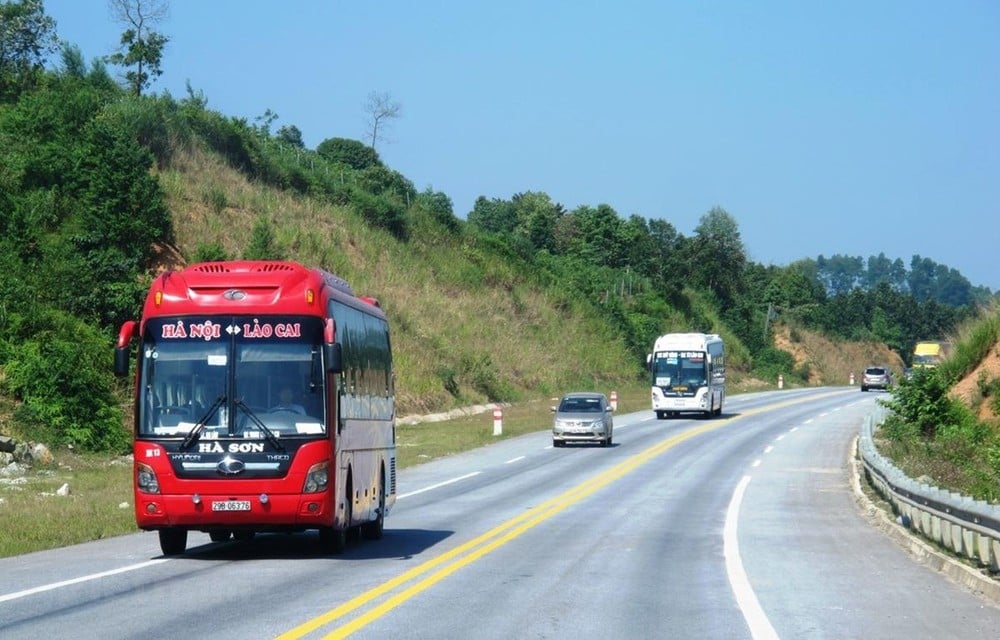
745 526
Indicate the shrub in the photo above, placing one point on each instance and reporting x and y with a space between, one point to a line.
922 401
212 252
60 377
770 362
380 211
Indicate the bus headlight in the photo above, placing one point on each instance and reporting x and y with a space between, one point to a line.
145 478
317 478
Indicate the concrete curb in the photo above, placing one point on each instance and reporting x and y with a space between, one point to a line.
972 579
448 415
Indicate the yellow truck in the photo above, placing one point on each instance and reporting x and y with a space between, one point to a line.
929 354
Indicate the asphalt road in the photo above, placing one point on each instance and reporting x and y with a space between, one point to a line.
744 526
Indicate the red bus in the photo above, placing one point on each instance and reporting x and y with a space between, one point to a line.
264 402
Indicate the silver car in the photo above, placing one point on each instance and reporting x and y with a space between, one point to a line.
876 378
583 417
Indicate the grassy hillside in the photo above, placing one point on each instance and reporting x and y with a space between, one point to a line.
467 323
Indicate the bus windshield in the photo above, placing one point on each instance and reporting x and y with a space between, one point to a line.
240 379
679 369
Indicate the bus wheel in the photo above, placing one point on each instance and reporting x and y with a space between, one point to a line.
661 415
173 541
222 535
373 530
336 539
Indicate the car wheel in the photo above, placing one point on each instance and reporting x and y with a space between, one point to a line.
557 443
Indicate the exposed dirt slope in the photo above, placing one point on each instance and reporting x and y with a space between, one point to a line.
967 389
831 362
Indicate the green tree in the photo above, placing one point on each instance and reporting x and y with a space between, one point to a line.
440 208
141 48
354 153
840 273
716 255
291 135
536 217
640 246
493 215
599 235
792 286
27 36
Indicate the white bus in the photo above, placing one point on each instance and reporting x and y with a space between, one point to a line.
688 374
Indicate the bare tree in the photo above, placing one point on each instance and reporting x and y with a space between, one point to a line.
380 108
141 48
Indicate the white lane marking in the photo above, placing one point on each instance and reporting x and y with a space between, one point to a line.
793 429
809 421
746 599
438 485
779 438
769 449
142 565
756 463
65 583
512 460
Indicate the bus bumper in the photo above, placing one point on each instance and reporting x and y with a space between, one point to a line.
262 511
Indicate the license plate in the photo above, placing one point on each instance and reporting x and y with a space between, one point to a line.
231 505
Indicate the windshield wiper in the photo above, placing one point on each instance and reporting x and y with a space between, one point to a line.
196 430
273 439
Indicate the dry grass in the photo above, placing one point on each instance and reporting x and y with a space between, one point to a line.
454 309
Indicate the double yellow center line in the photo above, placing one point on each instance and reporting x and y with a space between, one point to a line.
442 566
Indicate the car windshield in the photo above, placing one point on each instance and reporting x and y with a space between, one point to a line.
580 405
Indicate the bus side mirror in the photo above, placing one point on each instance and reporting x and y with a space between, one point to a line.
334 357
125 335
121 361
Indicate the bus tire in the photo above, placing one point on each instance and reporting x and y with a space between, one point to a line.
661 415
220 535
373 530
334 538
173 541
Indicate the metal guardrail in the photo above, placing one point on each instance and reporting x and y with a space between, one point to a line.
967 527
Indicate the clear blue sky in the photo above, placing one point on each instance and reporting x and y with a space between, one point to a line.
851 127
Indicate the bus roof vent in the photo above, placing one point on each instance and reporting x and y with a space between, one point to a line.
245 266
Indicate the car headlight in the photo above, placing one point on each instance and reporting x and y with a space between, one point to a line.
597 425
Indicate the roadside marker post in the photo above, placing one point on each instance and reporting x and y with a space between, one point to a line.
614 401
497 421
